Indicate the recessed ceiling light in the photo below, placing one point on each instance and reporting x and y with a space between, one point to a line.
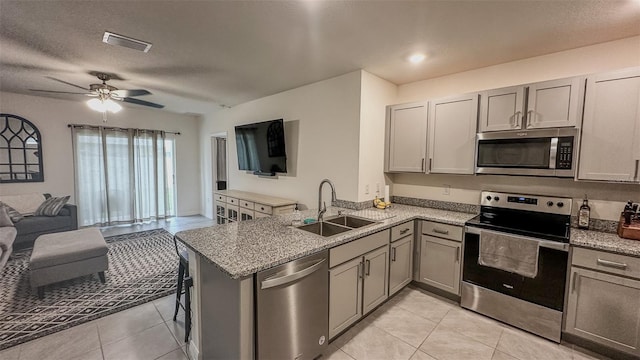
417 58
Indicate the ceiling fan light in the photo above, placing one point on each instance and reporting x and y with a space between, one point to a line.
112 106
97 105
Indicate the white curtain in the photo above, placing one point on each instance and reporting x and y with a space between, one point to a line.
121 175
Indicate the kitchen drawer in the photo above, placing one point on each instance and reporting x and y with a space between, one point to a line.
446 231
220 198
400 231
246 204
606 262
266 209
232 201
359 247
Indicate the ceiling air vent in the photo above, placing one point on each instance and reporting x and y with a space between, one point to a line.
120 40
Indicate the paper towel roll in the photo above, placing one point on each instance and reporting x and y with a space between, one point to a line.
386 193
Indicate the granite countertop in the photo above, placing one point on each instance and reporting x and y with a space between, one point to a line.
246 247
611 242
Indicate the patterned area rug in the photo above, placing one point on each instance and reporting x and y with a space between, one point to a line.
142 267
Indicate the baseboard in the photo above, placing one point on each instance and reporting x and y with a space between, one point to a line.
192 351
190 213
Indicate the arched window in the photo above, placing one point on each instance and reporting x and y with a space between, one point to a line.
20 150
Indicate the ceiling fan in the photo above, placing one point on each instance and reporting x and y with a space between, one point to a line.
105 94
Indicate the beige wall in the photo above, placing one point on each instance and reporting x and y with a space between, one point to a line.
607 199
376 94
51 116
321 134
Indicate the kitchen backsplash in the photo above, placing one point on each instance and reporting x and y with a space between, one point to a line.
436 204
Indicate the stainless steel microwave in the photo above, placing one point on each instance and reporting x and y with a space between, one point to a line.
544 152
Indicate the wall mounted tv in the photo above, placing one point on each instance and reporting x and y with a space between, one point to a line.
261 147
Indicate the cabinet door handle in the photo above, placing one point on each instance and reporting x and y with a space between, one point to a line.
404 231
360 270
368 267
635 176
575 281
393 254
528 120
422 166
443 232
612 264
458 255
517 118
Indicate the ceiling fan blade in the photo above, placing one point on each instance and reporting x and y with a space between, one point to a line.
128 93
58 92
68 83
142 102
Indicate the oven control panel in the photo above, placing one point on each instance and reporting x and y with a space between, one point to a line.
547 204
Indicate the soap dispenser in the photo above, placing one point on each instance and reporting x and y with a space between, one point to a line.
297 216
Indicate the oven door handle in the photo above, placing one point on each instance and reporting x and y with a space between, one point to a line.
555 245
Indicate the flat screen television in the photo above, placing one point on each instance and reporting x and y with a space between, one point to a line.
261 148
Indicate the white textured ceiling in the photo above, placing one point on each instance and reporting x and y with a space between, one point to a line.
209 53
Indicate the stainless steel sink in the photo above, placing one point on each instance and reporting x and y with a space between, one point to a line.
350 221
336 225
324 228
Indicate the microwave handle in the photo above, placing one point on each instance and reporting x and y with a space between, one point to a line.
553 153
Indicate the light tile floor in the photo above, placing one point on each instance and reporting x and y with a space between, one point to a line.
414 325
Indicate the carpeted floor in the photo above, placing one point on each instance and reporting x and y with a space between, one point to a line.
142 268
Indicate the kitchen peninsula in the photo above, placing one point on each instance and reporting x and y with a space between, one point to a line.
224 261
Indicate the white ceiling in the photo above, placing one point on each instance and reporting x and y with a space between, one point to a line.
210 53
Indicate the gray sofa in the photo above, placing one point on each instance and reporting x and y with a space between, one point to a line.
31 227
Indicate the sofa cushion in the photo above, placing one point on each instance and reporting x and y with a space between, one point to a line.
14 215
39 224
51 206
25 204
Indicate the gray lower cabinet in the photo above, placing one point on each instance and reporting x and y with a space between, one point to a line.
440 263
605 309
400 264
376 274
358 279
345 296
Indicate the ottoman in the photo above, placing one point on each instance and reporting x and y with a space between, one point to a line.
67 255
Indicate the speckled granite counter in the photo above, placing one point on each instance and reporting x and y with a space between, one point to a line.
244 248
605 241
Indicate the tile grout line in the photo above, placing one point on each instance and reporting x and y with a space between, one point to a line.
100 341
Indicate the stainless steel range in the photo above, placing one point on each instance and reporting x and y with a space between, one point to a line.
515 261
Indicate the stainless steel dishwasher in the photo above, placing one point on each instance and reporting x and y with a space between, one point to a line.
292 320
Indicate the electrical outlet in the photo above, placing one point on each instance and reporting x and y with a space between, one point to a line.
446 189
378 187
366 189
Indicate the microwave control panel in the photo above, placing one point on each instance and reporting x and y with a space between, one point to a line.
564 156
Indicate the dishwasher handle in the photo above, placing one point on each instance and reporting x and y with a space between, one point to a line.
281 280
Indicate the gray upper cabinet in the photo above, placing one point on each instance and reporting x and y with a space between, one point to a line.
554 103
610 147
406 143
452 133
546 104
501 109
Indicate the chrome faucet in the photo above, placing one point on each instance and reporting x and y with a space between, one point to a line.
322 210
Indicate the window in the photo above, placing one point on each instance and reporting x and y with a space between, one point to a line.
123 175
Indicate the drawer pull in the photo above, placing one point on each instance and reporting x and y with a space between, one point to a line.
402 232
443 232
510 287
612 264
